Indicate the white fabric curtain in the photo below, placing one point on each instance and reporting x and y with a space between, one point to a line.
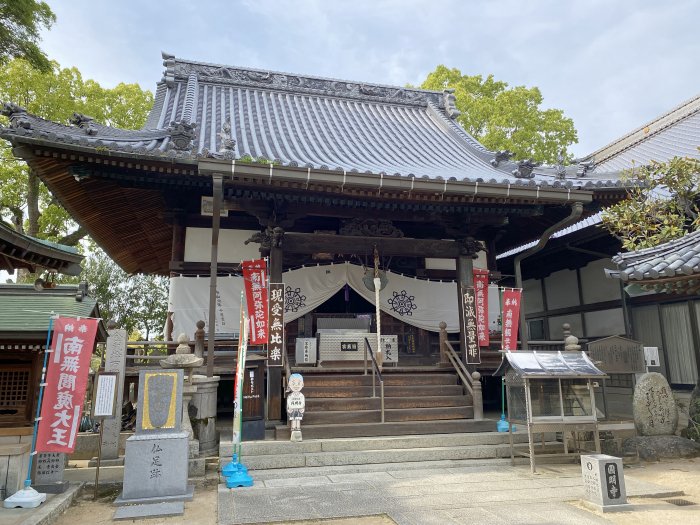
417 302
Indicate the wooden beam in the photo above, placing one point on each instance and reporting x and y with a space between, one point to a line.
308 243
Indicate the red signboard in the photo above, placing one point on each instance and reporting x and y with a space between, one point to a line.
66 380
255 278
510 317
481 287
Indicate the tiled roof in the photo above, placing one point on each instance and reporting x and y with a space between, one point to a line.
673 134
22 251
203 110
25 310
678 258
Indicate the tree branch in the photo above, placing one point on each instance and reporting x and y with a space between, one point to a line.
73 238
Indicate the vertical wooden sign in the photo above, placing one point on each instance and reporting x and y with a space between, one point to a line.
276 344
471 338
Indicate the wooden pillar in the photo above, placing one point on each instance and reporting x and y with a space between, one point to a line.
274 374
465 279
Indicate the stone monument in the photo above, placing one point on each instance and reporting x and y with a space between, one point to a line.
656 420
115 361
155 465
203 407
48 470
604 483
296 405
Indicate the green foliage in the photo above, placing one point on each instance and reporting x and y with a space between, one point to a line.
56 95
249 159
505 118
661 206
20 24
137 303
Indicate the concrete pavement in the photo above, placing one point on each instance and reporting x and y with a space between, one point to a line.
448 492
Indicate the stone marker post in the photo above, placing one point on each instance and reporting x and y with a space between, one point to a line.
115 360
604 483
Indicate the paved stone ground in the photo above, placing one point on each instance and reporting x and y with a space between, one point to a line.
451 493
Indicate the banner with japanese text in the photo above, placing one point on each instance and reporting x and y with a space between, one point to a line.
66 381
510 318
276 344
481 286
471 340
255 279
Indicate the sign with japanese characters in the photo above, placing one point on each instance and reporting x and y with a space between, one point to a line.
255 278
510 318
481 286
618 355
105 395
66 380
471 339
276 344
603 480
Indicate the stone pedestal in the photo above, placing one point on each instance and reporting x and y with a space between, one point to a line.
14 461
155 472
195 464
203 413
604 483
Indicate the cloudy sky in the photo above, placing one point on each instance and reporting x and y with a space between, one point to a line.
610 65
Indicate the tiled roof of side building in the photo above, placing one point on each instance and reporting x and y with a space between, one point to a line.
677 258
203 110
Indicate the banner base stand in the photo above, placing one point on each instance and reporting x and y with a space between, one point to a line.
236 474
26 498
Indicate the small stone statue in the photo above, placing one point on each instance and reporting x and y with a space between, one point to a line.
570 340
295 405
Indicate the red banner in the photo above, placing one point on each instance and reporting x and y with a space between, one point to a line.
481 287
66 380
510 317
255 278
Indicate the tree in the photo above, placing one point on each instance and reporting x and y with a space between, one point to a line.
661 204
20 23
136 303
504 118
56 95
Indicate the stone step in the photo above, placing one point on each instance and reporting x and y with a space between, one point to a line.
389 379
389 391
399 428
390 415
399 455
261 448
374 403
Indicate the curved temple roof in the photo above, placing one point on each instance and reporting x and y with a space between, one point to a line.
207 110
22 251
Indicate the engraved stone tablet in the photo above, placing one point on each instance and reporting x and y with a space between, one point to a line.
653 406
603 481
160 401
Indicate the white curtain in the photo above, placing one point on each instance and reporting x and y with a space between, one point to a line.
418 302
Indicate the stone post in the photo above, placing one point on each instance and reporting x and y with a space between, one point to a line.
199 339
478 401
115 361
203 413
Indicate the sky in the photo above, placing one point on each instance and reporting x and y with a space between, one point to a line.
610 65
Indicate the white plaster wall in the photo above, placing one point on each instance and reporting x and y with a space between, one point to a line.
232 247
603 323
596 287
562 289
555 330
532 292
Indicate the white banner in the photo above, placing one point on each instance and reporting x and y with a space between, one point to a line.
418 302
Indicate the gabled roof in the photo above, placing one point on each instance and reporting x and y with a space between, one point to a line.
673 134
22 251
203 110
25 312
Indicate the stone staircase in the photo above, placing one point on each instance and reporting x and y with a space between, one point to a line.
366 451
341 405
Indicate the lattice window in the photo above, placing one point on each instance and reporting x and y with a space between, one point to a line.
14 388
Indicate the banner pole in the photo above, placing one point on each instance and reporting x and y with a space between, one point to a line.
28 481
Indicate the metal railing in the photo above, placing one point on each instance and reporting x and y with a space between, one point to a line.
377 372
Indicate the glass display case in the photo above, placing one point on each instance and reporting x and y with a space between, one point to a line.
550 392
